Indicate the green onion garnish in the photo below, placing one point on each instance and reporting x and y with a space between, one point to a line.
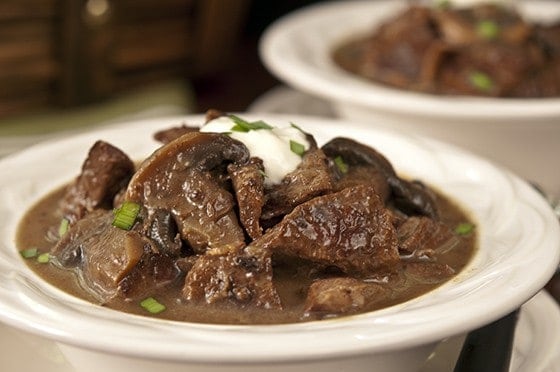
63 227
297 148
340 164
152 306
481 81
487 29
242 125
44 257
125 216
29 253
297 127
464 228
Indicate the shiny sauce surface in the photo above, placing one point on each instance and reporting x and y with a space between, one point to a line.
291 278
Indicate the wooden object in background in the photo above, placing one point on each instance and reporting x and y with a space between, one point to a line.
57 53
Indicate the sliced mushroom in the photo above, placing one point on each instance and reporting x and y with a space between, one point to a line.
186 177
113 262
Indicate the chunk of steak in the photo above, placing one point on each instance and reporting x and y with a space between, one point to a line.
113 262
248 184
335 296
422 237
243 277
350 229
167 135
364 175
310 179
398 53
105 172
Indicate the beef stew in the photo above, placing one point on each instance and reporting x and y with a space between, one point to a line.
485 49
196 233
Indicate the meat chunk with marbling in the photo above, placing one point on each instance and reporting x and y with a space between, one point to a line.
310 179
341 295
243 277
423 237
105 172
350 229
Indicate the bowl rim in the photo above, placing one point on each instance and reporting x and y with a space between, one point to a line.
295 48
28 303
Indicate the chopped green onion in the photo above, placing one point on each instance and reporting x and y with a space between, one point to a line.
152 306
340 164
487 29
63 228
29 253
464 228
44 257
242 125
481 81
263 173
296 127
125 216
297 148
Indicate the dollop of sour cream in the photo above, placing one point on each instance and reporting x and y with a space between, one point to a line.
274 146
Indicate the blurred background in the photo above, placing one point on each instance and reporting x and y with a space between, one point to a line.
67 64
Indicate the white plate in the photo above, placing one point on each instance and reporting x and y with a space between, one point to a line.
536 345
519 240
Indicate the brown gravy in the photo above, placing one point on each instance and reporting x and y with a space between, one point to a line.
291 283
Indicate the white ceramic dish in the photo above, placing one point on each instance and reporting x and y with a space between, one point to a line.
297 50
519 251
536 345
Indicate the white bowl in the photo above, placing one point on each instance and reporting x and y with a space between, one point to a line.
522 134
519 249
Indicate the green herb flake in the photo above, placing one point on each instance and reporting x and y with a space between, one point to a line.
297 127
44 258
481 81
239 128
29 253
125 216
297 148
152 306
464 228
63 227
488 30
340 164
242 125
